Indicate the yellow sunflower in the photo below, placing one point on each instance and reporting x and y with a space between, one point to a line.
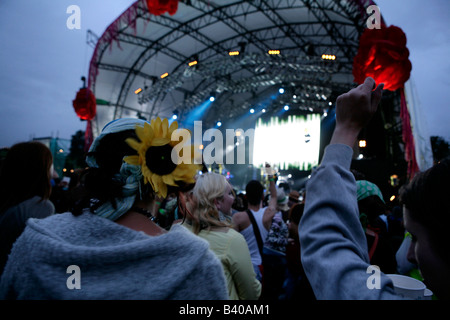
154 156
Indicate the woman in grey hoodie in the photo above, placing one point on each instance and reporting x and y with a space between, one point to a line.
109 247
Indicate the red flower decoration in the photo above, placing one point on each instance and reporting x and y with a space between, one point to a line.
159 7
383 55
85 104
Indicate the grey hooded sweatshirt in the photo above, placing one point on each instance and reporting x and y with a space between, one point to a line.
89 257
334 247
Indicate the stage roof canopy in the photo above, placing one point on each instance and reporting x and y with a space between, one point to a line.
178 61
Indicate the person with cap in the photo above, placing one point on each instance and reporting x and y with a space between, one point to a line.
372 214
293 198
109 247
282 203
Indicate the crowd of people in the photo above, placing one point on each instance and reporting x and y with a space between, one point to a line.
135 225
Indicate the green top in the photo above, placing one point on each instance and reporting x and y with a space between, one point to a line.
232 250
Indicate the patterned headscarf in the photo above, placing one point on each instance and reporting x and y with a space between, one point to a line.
130 174
366 189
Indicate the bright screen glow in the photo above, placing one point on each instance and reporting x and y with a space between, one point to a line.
291 143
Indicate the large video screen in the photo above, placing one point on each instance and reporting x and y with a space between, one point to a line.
288 143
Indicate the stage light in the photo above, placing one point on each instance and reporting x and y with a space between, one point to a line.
219 124
392 198
164 75
233 53
281 90
330 103
328 57
263 110
175 115
252 110
286 107
212 98
274 51
192 63
362 143
138 91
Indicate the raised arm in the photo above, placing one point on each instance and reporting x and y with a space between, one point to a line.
333 244
271 209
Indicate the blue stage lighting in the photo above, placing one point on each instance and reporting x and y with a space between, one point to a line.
281 90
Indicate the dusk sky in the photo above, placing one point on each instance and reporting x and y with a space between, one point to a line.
42 61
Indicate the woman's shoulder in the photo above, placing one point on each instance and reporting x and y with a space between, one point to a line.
38 203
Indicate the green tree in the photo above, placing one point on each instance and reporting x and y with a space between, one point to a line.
76 158
440 147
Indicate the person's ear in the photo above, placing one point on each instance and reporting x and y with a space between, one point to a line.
217 203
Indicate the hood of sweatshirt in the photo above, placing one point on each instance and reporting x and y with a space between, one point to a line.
109 261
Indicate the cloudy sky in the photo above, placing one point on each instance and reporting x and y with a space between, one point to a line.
42 61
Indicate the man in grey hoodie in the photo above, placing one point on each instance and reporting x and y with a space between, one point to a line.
333 245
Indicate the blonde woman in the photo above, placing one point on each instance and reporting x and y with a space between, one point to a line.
211 203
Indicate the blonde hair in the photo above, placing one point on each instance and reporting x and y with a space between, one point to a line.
208 187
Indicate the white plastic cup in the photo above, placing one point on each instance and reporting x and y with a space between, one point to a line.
428 294
408 287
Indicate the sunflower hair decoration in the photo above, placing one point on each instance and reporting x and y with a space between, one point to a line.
155 157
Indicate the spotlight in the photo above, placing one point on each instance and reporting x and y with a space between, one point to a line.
252 110
212 97
328 57
286 107
281 90
362 143
138 91
263 110
175 115
219 124
194 60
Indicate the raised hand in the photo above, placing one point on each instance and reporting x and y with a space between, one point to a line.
354 110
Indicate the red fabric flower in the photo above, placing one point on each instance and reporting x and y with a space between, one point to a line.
85 104
159 7
383 55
